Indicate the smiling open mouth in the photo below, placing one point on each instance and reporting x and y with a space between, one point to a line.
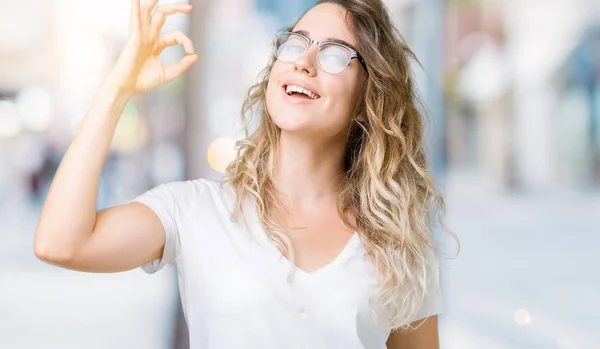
300 92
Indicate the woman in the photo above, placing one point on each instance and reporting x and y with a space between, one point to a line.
319 235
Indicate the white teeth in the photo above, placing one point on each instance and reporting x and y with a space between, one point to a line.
293 88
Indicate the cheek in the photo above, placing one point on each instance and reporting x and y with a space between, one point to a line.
272 89
276 75
343 98
271 98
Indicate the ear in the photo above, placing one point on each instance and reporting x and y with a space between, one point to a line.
360 118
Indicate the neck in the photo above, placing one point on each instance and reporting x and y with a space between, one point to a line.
306 172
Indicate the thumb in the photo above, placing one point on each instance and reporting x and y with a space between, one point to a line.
174 71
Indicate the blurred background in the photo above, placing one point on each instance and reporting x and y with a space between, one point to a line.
513 92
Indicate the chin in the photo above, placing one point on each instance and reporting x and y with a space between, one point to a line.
291 122
288 118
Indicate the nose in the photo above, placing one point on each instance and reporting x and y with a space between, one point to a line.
307 62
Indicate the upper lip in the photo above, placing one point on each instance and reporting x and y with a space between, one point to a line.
302 84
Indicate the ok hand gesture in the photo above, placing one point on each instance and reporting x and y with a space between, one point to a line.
139 68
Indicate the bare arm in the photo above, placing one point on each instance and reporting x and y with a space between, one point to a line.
70 233
424 337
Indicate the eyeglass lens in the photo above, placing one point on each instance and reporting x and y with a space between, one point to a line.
331 57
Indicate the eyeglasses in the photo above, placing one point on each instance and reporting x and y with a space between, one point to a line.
332 57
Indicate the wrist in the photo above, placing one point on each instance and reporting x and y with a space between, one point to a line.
116 90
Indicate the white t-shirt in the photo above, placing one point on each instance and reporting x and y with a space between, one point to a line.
236 288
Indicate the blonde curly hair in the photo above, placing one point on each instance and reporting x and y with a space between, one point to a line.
387 187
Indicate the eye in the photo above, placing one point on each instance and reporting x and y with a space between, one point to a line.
293 46
334 56
291 49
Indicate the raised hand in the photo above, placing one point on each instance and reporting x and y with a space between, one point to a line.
139 68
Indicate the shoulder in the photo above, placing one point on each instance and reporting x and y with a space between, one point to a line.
189 193
181 197
187 189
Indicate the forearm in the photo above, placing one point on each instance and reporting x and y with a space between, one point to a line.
69 212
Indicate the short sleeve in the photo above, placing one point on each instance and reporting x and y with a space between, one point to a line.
433 302
172 203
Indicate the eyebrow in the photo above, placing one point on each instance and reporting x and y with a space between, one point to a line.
338 41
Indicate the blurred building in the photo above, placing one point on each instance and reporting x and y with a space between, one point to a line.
578 85
283 12
505 107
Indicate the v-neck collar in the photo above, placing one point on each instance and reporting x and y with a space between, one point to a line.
350 246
